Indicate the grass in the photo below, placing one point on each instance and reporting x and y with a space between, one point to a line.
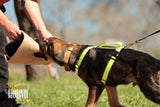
70 91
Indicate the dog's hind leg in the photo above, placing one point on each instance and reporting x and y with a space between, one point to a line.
149 83
93 95
113 96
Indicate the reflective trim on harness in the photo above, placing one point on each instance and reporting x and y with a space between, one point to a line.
107 69
117 46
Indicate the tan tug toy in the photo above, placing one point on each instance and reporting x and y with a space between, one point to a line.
22 52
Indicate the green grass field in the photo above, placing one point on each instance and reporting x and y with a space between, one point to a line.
70 91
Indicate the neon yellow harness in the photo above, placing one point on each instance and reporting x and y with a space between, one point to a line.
117 46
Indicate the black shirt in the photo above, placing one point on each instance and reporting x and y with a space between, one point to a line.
2 8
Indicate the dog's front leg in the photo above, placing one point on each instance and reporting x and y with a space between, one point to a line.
93 95
113 96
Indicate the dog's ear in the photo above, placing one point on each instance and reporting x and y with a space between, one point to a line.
49 47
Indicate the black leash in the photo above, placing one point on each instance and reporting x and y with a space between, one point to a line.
137 41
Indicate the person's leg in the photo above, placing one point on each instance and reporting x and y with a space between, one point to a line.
5 101
3 63
50 70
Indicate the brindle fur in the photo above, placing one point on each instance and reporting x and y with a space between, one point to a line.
131 66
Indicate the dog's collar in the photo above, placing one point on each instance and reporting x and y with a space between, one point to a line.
66 59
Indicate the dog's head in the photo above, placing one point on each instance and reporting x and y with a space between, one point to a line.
54 48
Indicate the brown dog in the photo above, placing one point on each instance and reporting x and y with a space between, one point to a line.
130 66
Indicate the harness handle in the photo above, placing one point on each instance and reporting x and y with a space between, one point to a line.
116 45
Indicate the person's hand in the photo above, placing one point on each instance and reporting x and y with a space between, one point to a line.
44 34
12 31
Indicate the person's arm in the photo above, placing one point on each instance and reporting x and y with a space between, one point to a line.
11 30
32 10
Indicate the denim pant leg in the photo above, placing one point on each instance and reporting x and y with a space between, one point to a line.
3 63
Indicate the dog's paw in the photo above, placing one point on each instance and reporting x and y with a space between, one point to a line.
40 55
121 106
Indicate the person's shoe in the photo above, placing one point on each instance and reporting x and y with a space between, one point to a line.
8 102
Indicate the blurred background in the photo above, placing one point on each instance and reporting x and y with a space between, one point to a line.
92 22
101 21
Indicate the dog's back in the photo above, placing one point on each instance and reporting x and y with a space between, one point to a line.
130 66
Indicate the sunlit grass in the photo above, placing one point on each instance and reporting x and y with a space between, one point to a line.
70 91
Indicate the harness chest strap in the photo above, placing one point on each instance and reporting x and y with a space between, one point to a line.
82 57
